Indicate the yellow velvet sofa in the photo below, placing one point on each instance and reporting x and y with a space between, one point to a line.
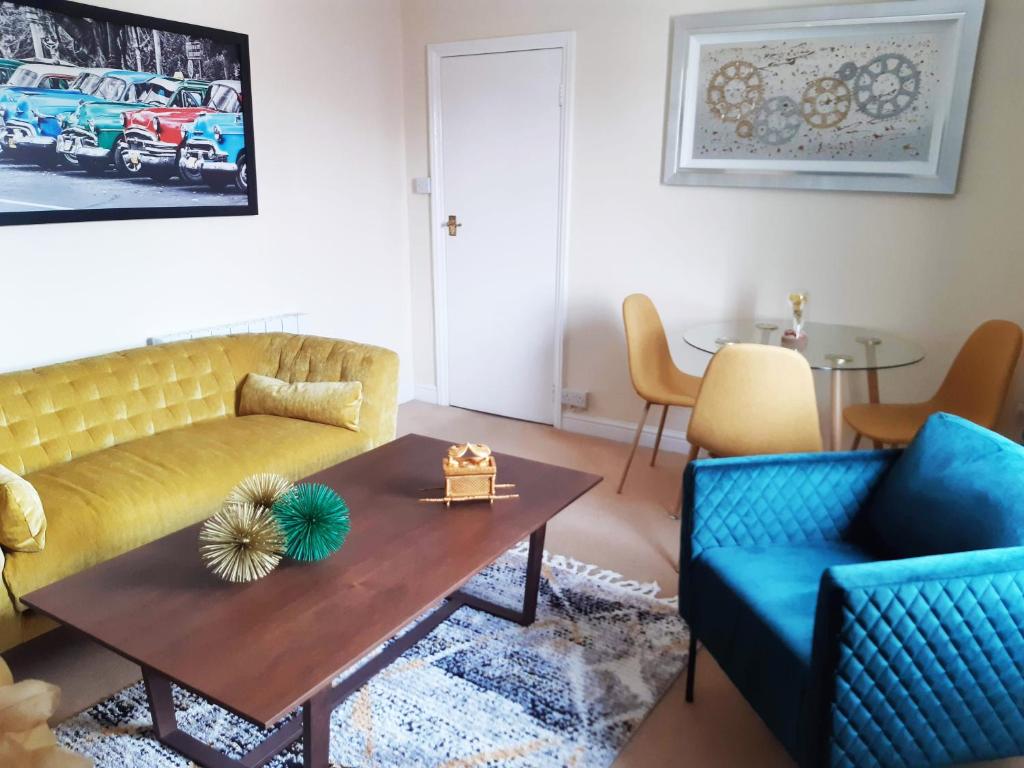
130 446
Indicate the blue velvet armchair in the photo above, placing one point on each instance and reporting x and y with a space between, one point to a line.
869 606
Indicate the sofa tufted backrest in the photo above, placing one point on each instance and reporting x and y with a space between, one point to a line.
293 358
54 414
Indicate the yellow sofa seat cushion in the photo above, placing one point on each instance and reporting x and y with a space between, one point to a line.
111 501
327 402
22 520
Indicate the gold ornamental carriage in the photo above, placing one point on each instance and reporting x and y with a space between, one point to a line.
471 474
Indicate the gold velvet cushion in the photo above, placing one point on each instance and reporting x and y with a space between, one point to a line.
22 521
327 402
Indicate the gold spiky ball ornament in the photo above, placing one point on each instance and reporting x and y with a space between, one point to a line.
241 543
261 490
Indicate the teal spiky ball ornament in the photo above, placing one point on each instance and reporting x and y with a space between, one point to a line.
314 521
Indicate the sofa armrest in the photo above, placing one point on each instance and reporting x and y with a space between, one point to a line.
313 358
919 661
762 500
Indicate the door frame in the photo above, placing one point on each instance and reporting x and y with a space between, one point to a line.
566 41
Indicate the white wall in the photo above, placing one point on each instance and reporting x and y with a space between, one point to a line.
929 268
331 238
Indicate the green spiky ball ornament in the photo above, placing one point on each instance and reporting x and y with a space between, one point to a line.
314 520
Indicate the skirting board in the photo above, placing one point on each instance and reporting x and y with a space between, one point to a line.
598 426
426 394
623 432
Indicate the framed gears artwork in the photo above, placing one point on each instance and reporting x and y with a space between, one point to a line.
869 97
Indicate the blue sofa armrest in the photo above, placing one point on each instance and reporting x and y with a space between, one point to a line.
919 661
761 500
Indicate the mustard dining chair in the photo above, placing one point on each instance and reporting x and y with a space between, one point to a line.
974 388
755 399
655 376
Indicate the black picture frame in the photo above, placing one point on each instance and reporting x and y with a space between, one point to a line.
224 37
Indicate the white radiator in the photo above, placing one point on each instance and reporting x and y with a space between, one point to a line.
290 323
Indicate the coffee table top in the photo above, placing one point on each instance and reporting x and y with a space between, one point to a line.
261 649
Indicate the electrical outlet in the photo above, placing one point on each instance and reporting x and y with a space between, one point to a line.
574 399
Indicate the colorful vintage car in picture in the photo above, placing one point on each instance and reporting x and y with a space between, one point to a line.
109 115
36 79
215 147
156 137
34 122
33 75
7 68
55 77
93 137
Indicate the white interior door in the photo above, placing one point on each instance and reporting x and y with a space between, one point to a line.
501 140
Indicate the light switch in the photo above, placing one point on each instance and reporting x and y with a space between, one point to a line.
421 185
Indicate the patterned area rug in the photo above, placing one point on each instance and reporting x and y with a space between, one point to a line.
478 691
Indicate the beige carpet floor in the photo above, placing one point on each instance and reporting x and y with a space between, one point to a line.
631 534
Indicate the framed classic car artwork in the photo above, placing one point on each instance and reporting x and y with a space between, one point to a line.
110 115
854 97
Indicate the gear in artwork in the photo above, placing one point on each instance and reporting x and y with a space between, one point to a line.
735 91
777 121
886 86
848 71
826 103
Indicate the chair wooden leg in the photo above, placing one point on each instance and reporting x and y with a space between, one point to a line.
677 509
856 442
657 440
691 666
636 442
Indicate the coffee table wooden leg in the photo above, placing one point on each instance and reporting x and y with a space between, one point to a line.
534 561
316 731
165 725
528 614
161 703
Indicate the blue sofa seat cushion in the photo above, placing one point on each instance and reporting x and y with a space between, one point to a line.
754 609
957 488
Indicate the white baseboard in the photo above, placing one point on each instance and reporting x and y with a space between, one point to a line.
623 432
426 394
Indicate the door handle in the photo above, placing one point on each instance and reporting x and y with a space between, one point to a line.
453 225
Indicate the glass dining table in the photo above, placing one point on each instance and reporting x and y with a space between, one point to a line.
839 349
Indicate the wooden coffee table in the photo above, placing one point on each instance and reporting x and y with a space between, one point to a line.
264 650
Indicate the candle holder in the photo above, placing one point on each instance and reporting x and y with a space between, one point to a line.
798 305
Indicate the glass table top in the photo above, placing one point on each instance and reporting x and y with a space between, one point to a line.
827 346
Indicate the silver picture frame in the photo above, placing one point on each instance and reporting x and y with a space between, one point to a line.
869 97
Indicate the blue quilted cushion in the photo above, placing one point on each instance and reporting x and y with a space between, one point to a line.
956 488
754 609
